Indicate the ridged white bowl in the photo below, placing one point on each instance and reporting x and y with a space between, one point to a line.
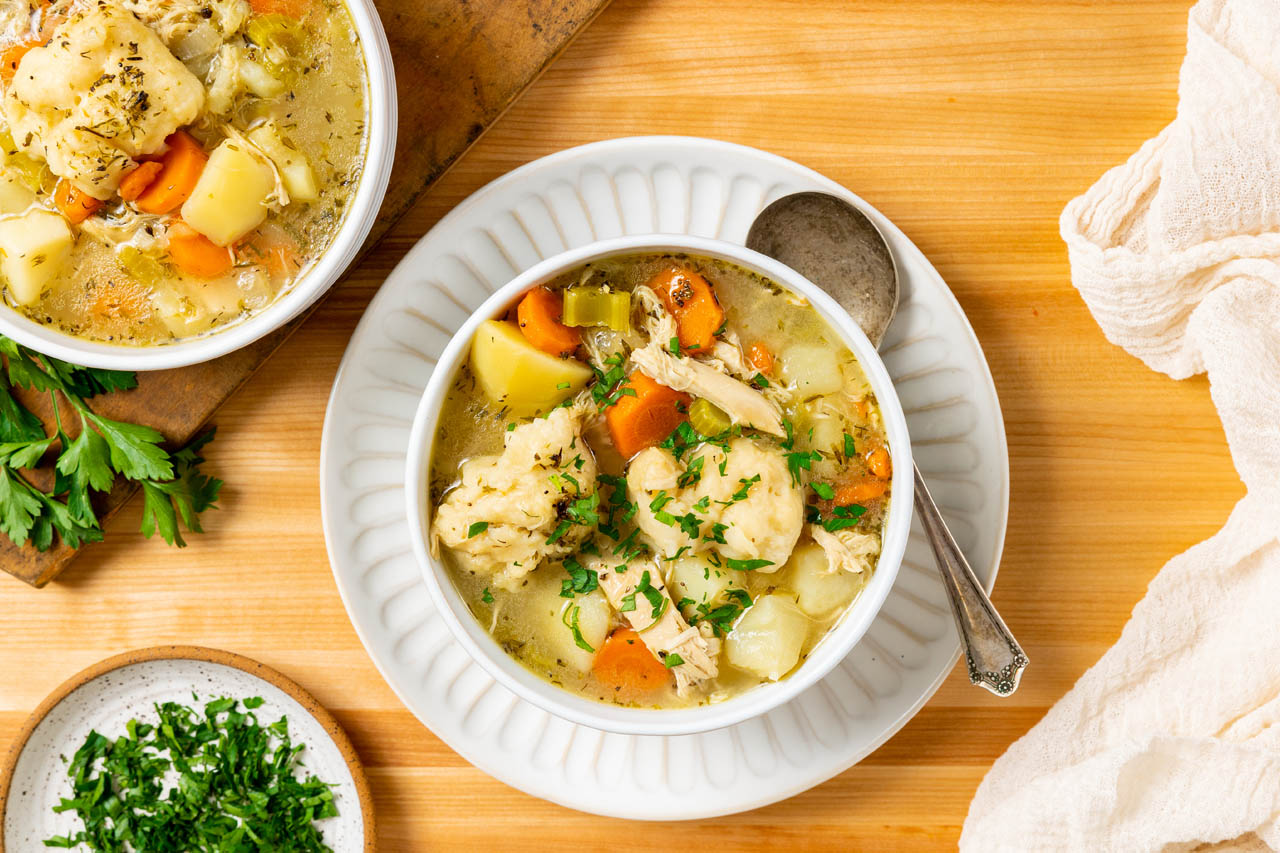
649 721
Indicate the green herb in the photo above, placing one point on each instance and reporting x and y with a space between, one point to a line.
849 450
510 427
685 602
583 510
580 581
476 528
659 501
692 473
570 620
607 388
674 346
173 486
561 386
561 529
759 381
823 490
747 565
656 599
216 781
843 517
744 489
717 533
486 596
798 461
672 660
722 617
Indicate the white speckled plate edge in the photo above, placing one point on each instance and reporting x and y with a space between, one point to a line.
634 186
106 695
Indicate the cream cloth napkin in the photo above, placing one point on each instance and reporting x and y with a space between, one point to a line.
1172 739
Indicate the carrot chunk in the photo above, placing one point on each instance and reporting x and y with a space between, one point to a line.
538 315
292 8
879 463
860 492
760 357
180 168
690 299
272 247
137 179
625 662
646 417
195 254
75 205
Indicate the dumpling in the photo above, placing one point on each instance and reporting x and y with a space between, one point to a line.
512 511
103 91
738 500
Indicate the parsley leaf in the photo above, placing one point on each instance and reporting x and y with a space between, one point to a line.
672 660
476 528
747 565
580 581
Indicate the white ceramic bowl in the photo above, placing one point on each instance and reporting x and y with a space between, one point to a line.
380 146
570 706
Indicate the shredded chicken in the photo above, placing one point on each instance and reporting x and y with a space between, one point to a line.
709 379
506 508
174 20
847 550
103 91
752 504
668 634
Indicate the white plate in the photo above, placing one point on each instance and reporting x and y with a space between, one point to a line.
674 185
107 701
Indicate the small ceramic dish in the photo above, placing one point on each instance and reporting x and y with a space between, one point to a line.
311 284
577 709
108 694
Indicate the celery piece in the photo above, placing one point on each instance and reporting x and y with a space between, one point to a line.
144 268
708 418
595 306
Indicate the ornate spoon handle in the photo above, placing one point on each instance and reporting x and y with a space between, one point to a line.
995 659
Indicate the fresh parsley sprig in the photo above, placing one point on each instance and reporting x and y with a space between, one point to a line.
173 486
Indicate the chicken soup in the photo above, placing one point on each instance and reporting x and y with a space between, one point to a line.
659 480
169 167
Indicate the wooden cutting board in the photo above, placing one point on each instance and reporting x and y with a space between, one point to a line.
459 65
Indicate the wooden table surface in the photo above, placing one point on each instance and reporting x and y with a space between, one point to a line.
970 124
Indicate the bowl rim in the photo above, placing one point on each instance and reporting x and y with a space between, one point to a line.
560 702
379 150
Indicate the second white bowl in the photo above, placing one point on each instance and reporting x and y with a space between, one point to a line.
481 646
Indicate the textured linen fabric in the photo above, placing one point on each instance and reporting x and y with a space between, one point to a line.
1171 742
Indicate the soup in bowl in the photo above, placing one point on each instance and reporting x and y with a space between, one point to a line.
170 169
659 485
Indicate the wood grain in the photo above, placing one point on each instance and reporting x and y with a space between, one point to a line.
971 124
459 65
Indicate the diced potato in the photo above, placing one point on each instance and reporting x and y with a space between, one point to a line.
295 171
219 297
820 591
35 245
821 431
177 312
230 199
766 641
515 374
15 195
540 613
812 368
697 579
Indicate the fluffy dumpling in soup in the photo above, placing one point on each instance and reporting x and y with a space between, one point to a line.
659 480
168 167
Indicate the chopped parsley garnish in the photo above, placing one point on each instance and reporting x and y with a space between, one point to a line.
216 780
476 528
747 565
759 381
486 596
561 529
849 450
744 489
674 346
841 517
583 510
580 581
722 617
681 439
570 620
562 386
692 473
659 501
511 427
608 388
717 533
656 599
823 490
798 461
672 660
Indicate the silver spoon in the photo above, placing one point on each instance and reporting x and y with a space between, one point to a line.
835 246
